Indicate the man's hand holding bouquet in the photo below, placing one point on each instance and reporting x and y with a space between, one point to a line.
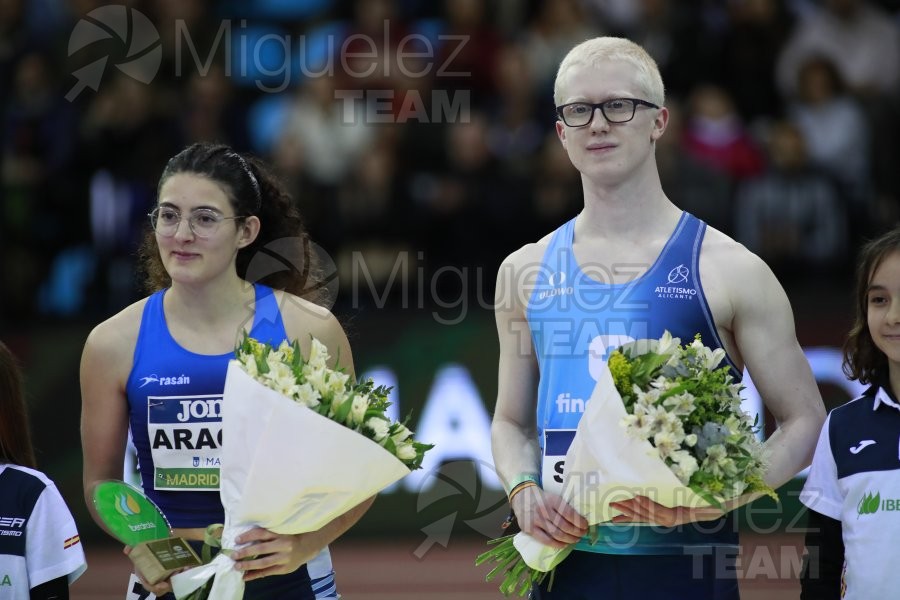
663 440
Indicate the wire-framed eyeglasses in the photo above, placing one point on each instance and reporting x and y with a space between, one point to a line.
203 222
616 110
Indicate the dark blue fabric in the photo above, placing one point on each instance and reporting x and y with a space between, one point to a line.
293 586
709 574
19 492
857 421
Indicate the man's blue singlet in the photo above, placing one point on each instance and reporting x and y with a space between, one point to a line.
576 320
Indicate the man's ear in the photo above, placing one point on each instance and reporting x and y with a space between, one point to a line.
659 124
248 231
561 132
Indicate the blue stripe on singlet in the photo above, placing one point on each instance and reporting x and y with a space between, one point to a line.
324 587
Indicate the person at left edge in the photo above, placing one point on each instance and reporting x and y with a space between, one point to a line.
158 366
40 550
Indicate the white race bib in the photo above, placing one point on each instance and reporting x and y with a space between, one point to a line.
185 435
136 591
556 444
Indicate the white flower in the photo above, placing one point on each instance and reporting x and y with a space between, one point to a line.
673 427
685 465
249 364
738 487
317 378
401 432
379 427
712 359
660 383
667 344
690 440
682 404
284 353
281 379
638 424
337 381
716 453
406 452
275 358
729 467
647 399
676 359
318 354
358 409
665 444
337 400
308 396
660 419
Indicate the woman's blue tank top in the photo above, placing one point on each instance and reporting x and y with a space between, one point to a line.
174 406
576 320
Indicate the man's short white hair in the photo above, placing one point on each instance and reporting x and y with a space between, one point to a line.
604 49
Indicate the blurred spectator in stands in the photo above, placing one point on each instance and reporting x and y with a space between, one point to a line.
690 182
462 205
372 222
332 132
758 31
715 135
556 190
468 59
209 111
859 38
793 215
836 131
367 57
13 41
684 38
127 135
514 134
619 17
192 38
863 42
36 212
553 30
127 129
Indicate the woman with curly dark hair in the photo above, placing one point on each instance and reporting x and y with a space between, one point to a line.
221 258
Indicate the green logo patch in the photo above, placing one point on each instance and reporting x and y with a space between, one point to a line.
868 504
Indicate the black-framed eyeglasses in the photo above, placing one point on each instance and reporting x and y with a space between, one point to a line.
616 110
203 222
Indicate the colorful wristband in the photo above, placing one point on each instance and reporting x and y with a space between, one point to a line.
522 486
520 479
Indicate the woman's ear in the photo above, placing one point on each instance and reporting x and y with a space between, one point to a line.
248 231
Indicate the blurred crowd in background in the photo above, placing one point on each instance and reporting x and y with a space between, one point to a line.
784 128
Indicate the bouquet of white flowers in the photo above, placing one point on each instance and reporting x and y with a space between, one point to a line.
302 445
664 421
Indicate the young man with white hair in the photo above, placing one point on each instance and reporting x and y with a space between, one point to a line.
629 266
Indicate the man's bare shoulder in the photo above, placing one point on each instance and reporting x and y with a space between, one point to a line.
733 274
518 273
529 254
729 258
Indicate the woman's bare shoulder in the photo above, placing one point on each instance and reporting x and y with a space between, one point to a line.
117 335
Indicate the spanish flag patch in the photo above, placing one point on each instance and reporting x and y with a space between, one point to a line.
71 541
